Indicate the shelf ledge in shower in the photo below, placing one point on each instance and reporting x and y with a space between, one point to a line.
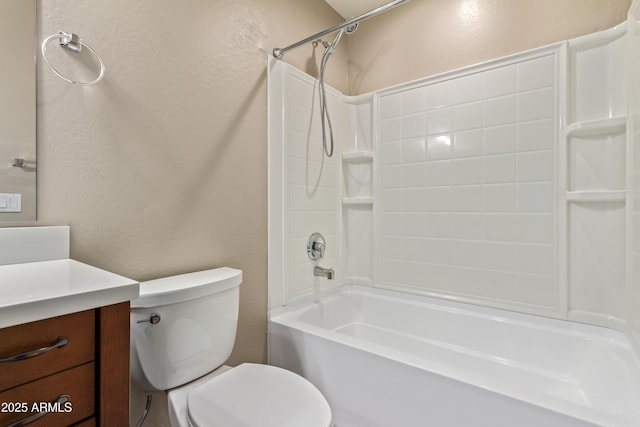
357 201
365 98
358 156
596 196
597 127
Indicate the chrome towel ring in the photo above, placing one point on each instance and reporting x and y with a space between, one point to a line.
74 43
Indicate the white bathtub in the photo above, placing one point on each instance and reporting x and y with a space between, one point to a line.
387 359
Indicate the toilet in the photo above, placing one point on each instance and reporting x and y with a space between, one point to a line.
182 331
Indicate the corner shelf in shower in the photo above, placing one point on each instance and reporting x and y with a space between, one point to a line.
601 130
358 156
597 127
357 201
364 158
596 196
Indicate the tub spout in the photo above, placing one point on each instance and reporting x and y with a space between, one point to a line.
324 272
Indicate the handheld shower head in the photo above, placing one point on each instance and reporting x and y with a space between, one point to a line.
352 28
324 112
348 30
333 46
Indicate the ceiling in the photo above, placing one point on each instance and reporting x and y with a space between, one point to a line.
351 8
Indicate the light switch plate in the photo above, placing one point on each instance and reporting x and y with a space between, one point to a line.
10 202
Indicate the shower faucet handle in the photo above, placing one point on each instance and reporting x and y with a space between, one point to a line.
316 246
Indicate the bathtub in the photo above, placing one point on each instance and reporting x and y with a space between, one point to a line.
387 359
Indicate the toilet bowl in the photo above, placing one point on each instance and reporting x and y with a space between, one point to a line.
183 330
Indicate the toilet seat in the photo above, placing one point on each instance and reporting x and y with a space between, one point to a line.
257 395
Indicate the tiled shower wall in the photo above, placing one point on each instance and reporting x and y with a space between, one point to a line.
303 184
466 204
509 184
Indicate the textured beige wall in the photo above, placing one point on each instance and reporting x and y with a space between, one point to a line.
161 168
426 37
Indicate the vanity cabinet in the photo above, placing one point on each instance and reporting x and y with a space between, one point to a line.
70 370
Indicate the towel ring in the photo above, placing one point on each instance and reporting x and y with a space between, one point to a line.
74 43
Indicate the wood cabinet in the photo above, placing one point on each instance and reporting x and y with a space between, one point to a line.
71 370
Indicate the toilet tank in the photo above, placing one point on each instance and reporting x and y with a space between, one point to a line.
198 317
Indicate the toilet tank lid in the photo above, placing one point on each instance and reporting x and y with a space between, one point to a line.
185 287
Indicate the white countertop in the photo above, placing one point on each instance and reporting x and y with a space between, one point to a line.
38 290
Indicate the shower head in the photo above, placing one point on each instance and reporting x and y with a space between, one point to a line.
330 47
352 28
333 46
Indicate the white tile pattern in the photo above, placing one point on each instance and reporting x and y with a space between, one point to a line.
466 185
311 180
469 182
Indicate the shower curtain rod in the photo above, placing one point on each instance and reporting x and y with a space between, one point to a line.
279 52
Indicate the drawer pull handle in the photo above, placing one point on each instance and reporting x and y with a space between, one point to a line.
62 341
61 400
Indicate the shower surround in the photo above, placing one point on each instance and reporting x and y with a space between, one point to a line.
510 184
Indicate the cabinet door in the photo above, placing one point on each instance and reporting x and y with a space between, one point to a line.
114 365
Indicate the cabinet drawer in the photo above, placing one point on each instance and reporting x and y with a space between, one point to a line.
78 328
77 383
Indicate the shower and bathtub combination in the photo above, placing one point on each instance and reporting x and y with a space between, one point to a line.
481 226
